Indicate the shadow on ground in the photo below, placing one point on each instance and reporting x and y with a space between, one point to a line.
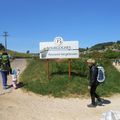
20 85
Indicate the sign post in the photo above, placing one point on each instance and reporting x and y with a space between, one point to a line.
47 68
69 68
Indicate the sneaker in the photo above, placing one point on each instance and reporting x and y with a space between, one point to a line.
91 105
6 87
99 103
99 100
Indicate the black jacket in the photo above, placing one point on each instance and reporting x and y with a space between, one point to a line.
93 75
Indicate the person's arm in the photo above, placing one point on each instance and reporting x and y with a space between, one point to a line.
94 74
8 63
10 70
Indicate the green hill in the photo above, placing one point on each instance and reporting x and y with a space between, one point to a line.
35 78
107 45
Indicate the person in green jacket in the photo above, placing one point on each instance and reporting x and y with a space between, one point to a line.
5 68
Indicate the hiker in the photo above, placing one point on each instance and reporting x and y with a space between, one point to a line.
115 62
15 75
93 83
119 62
5 69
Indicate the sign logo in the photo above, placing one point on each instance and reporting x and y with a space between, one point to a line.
58 41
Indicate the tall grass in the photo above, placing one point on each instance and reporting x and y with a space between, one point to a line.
112 82
36 80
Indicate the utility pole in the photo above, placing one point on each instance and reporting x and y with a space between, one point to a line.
5 34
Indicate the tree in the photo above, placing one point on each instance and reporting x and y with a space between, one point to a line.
28 51
2 47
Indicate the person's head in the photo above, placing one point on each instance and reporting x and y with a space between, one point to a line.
91 62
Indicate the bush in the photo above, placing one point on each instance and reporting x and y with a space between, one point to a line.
111 54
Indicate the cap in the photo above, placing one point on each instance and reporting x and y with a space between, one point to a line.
91 60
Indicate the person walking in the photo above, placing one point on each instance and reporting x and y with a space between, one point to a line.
5 69
93 83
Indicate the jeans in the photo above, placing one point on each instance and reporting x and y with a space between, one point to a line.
4 78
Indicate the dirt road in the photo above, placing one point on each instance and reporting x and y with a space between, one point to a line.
21 105
116 66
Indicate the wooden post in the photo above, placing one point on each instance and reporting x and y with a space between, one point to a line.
69 68
47 68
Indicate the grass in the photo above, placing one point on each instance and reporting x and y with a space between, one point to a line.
112 83
35 79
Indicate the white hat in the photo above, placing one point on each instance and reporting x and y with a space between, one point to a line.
90 60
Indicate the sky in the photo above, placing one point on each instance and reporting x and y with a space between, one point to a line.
29 22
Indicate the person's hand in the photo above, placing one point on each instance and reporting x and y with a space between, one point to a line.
89 87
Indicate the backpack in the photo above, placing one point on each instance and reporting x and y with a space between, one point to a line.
5 63
101 74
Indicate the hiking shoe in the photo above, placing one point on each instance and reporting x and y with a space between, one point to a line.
99 103
91 105
100 100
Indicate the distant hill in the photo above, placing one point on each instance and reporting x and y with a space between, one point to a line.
107 45
100 46
15 54
82 49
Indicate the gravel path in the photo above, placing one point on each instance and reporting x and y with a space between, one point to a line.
116 66
21 105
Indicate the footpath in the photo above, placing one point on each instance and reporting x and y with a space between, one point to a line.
117 66
21 105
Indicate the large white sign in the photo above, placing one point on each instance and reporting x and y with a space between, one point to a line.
59 49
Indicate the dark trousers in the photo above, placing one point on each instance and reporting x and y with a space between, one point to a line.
4 77
93 93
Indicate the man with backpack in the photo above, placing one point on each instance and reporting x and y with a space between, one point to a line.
5 69
93 83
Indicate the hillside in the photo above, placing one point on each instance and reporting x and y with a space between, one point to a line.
15 54
59 85
106 45
114 46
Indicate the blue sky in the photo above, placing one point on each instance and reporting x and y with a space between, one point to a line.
30 21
